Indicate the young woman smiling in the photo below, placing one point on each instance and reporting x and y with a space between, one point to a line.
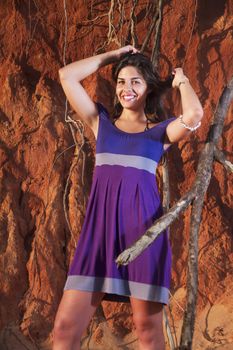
124 199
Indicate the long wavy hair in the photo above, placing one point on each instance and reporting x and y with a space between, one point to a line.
154 109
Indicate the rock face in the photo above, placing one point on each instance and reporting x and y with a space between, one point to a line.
42 172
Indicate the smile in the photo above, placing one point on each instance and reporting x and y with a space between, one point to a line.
128 97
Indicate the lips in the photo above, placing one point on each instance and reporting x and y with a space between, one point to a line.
128 97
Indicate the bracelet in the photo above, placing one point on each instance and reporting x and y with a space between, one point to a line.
183 81
191 128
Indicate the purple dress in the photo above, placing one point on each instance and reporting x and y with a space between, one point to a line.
123 202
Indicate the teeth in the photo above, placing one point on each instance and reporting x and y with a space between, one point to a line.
129 98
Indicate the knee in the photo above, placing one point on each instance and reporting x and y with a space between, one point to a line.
148 329
143 324
64 328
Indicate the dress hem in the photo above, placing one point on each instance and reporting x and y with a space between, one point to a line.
119 287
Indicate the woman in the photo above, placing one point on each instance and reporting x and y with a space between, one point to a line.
124 199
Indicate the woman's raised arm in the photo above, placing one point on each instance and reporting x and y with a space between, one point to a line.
71 76
192 111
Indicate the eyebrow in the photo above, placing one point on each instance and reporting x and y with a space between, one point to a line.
131 78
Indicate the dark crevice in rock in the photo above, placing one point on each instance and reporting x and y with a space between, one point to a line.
210 10
31 75
29 240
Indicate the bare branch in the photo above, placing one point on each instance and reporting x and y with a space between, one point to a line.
203 178
121 10
154 55
166 185
89 21
133 23
219 117
202 181
154 231
110 20
152 26
168 330
73 166
220 157
111 36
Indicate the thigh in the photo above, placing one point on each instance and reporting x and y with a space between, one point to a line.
76 309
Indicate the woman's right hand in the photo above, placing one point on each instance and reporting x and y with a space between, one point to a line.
125 49
72 74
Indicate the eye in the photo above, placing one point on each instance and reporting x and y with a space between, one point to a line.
120 82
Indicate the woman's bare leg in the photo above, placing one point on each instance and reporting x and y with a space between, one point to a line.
73 316
148 320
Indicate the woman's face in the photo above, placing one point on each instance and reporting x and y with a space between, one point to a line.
131 88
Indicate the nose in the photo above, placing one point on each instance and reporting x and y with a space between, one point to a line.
128 86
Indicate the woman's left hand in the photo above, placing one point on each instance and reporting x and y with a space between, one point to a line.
178 77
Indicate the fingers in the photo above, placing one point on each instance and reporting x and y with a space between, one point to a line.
126 49
178 70
178 76
130 49
135 50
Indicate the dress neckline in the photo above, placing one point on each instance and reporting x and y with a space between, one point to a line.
136 133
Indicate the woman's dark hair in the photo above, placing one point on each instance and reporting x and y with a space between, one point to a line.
157 87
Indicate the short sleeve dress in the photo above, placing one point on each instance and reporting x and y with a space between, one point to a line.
123 202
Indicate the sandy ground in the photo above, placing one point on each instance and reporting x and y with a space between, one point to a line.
213 331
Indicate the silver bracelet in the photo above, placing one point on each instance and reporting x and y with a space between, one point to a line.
191 128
